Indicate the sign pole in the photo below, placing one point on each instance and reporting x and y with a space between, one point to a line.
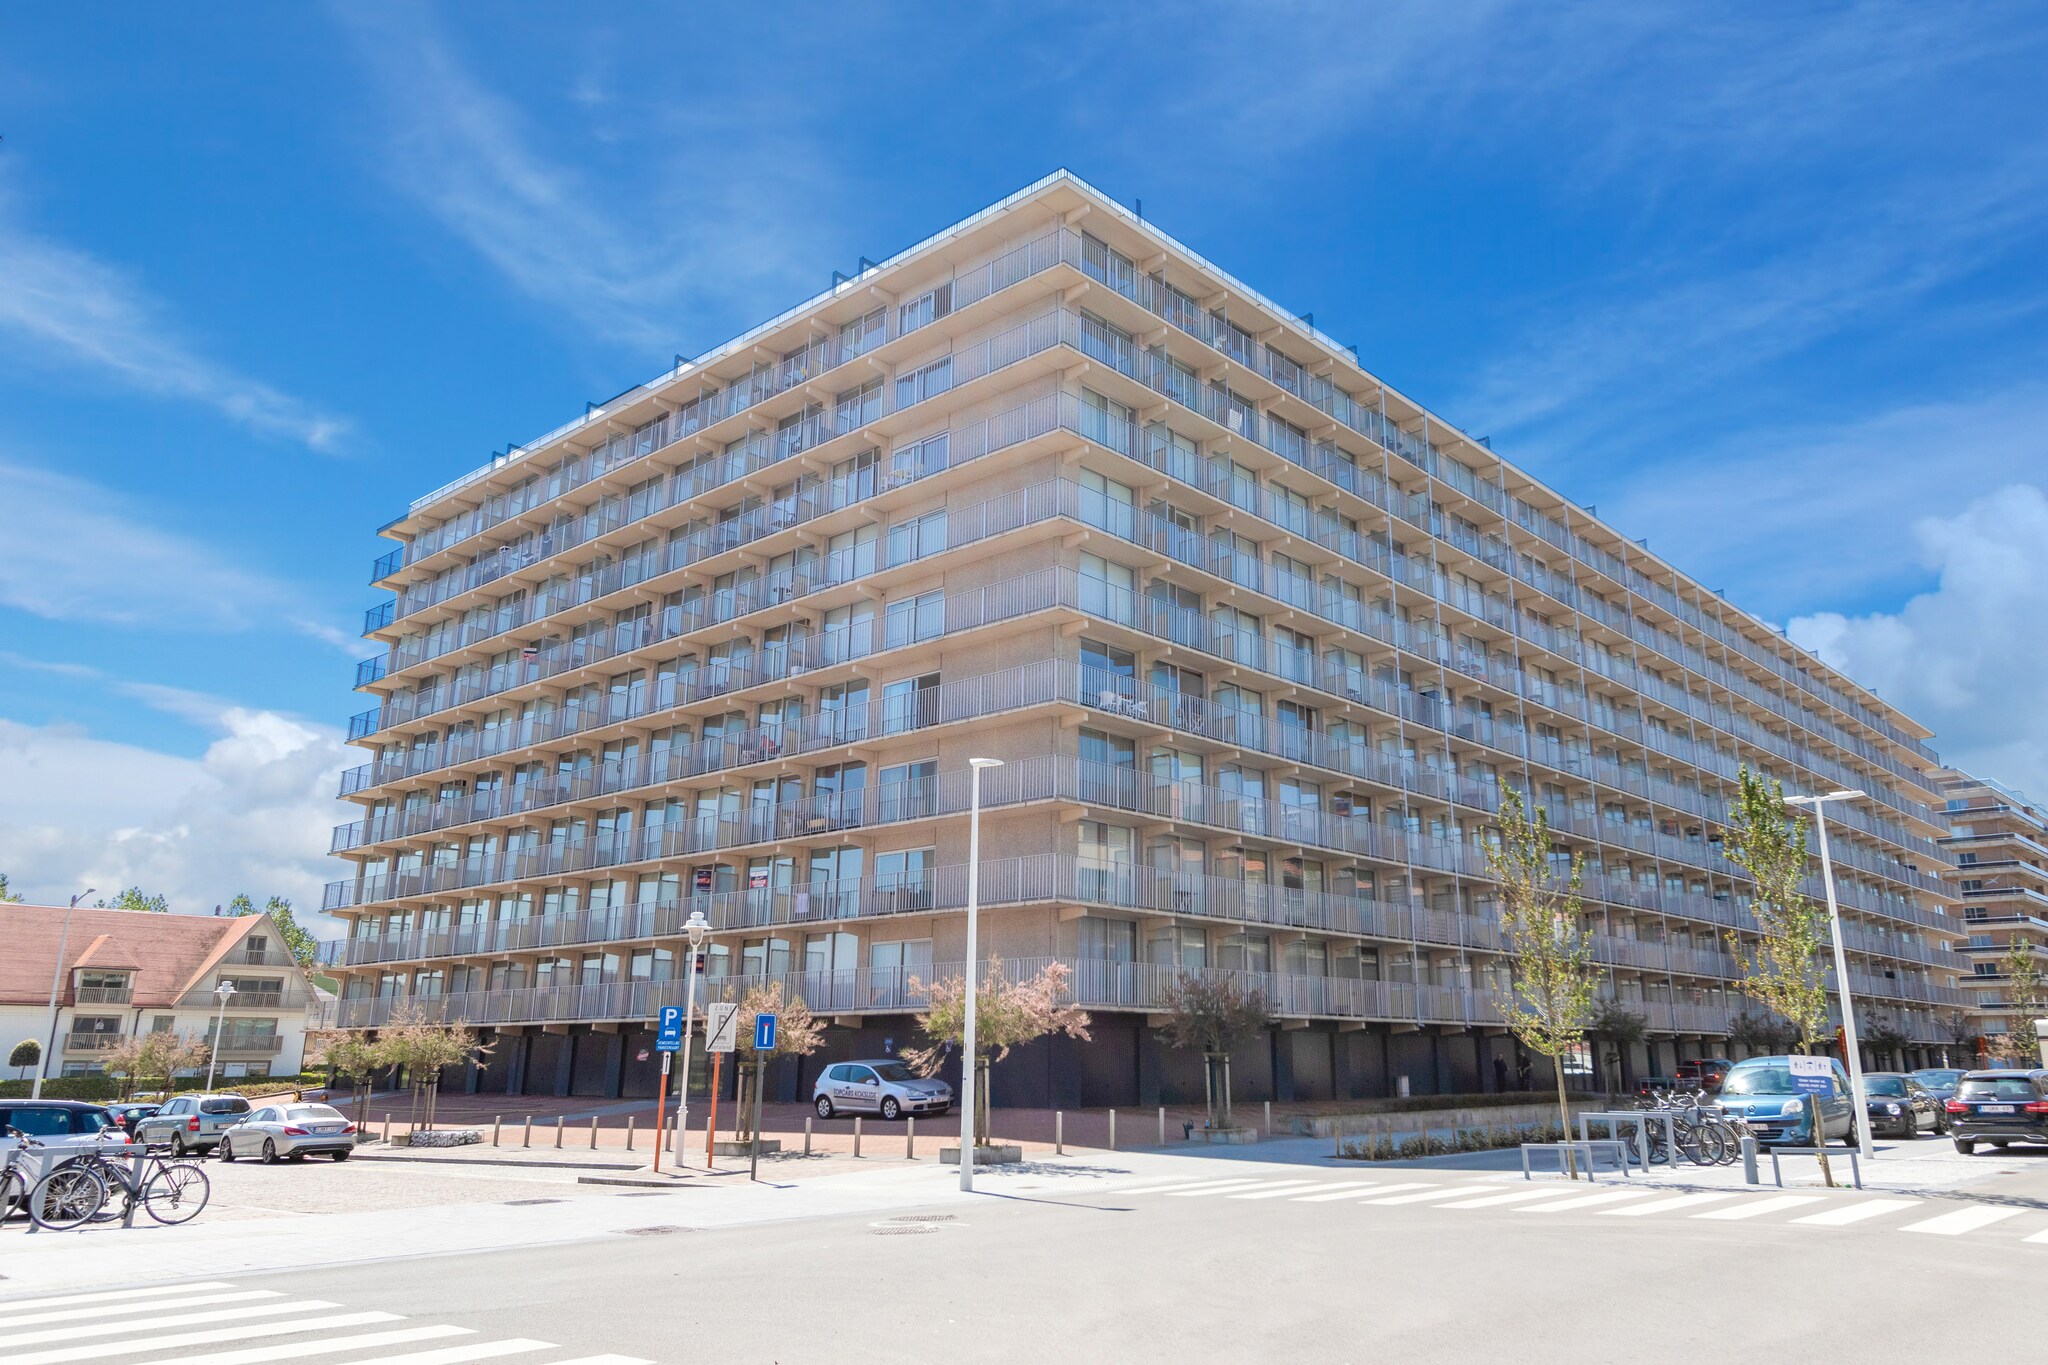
764 1048
660 1112
683 1081
711 1128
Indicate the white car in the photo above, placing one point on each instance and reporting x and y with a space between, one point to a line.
885 1087
290 1130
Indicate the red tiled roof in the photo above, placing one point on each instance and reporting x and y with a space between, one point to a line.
167 953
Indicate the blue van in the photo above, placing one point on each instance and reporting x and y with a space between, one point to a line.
1761 1091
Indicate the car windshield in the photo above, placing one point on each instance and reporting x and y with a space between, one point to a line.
1940 1078
894 1071
1996 1088
312 1111
224 1104
1884 1085
1759 1080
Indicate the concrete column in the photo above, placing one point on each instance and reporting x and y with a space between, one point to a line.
515 1063
614 1063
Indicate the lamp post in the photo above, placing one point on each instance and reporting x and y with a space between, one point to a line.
56 988
1858 1098
698 929
968 1098
225 992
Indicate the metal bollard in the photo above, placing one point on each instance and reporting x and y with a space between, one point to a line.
807 1136
561 1121
910 1139
593 1132
629 1132
1749 1175
1112 1130
387 1129
1162 1125
527 1141
497 1122
1269 1118
1059 1133
856 1135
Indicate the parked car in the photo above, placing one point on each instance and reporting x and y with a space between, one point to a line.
55 1118
885 1087
290 1130
130 1114
1940 1082
192 1123
1900 1106
1999 1107
1760 1091
1707 1073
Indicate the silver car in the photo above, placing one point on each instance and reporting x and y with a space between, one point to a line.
290 1130
192 1123
885 1087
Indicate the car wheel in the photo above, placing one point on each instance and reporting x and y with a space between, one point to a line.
825 1109
269 1152
339 1156
178 1147
227 1151
891 1110
1965 1146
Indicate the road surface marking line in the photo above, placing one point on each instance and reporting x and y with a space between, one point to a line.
605 1360
1683 1201
449 1355
1277 1192
114 1310
1511 1197
1856 1213
104 1329
1389 1189
1427 1192
241 1332
66 1300
1570 1202
1340 1192
1756 1208
292 1350
1189 1185
1229 1187
2037 1237
1962 1220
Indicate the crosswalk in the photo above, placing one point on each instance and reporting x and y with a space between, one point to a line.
1923 1217
216 1323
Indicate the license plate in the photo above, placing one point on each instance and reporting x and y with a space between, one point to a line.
328 1128
1997 1109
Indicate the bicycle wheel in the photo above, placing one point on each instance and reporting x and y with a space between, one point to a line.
1712 1145
13 1193
66 1198
176 1193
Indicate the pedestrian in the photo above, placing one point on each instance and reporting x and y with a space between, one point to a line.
1500 1073
1522 1070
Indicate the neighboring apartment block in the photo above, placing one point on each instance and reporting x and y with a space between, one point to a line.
128 972
2000 843
1254 635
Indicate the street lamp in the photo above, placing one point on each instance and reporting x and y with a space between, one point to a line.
967 1077
1827 877
698 928
56 986
224 992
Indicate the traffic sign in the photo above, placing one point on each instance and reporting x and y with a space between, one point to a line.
1812 1075
764 1033
721 1025
670 1036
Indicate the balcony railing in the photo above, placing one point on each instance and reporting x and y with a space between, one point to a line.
93 1042
247 1044
103 995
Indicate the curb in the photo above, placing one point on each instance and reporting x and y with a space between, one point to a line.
490 1161
646 1183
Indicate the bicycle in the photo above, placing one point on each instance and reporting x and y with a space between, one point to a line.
173 1192
66 1197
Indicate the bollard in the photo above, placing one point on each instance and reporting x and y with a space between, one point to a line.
527 1141
593 1132
807 1136
856 1135
1059 1133
387 1129
629 1132
1749 1175
560 1121
910 1139
1162 1125
1269 1118
1112 1130
497 1122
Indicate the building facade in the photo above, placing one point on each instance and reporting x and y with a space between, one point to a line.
129 972
1254 636
1999 840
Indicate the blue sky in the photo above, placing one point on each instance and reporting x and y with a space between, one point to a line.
1765 287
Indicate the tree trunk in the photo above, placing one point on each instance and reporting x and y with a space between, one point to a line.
1564 1119
981 1123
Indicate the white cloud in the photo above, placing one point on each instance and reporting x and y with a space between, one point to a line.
253 813
64 304
1969 657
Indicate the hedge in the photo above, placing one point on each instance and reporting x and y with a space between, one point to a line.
107 1089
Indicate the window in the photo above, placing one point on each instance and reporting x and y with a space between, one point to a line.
925 382
910 703
893 966
925 309
903 879
1107 856
915 618
910 791
1107 588
917 537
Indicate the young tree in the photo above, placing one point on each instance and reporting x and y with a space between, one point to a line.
1218 1014
125 1060
1006 1014
26 1054
7 896
162 1055
1550 999
2025 995
1782 970
357 1060
425 1047
297 941
1615 1026
135 898
798 1033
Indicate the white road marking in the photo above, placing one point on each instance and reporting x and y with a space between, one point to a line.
1511 1197
1192 1185
1349 1191
1757 1208
449 1355
1683 1201
1856 1213
102 1329
239 1332
1962 1220
1389 1189
1573 1202
293 1350
605 1360
113 1310
2037 1237
1230 1187
108 1296
1280 1191
1427 1192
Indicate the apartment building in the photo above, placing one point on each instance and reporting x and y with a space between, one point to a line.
128 972
1999 840
1254 636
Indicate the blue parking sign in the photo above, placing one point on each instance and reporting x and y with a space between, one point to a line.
670 1036
764 1033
